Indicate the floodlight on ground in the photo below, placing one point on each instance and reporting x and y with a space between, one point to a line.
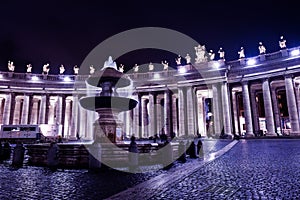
182 70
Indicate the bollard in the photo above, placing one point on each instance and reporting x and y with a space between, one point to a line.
182 151
95 157
52 156
167 155
133 155
192 150
200 149
18 155
6 151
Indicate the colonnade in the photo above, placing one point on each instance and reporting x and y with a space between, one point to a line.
176 112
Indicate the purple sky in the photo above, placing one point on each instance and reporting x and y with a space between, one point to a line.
64 32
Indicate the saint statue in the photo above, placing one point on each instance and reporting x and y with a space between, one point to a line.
121 68
136 68
221 53
151 66
178 60
282 43
11 66
211 55
61 69
188 58
200 54
29 67
261 48
165 64
241 53
92 69
46 69
76 69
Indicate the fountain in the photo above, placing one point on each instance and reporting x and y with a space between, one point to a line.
108 104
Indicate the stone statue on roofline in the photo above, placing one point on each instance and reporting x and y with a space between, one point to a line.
11 66
61 69
151 66
165 64
262 49
136 68
178 60
282 43
211 55
188 58
46 68
221 53
29 68
241 53
76 69
121 68
92 69
200 54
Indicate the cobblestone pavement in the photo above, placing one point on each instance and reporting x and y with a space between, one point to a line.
252 169
30 182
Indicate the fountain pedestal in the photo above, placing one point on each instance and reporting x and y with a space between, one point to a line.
108 104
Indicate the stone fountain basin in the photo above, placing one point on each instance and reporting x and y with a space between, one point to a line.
118 103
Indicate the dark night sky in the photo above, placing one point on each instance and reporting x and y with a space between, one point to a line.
64 32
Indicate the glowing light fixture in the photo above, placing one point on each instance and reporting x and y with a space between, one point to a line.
182 70
156 76
1 76
216 65
251 62
295 52
34 78
67 79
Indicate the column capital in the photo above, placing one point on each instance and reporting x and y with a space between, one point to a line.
288 76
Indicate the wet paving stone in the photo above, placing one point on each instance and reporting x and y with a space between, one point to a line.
31 182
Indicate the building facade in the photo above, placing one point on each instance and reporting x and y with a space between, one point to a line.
247 97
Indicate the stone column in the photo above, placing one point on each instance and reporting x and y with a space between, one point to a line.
292 106
1 109
247 110
235 114
34 112
254 111
276 111
17 111
190 109
144 114
152 111
136 126
181 112
42 113
201 115
268 108
167 113
58 119
7 108
226 110
51 111
158 115
67 118
174 115
216 110
82 123
74 119
25 110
